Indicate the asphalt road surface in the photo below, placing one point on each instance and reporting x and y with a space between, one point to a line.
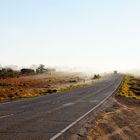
41 118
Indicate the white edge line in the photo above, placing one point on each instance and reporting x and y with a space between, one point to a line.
5 116
72 124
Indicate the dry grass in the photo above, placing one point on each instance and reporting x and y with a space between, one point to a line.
119 122
130 87
37 85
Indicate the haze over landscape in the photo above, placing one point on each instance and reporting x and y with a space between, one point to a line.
69 69
83 34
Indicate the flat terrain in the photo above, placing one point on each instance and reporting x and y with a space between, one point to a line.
45 116
38 85
120 122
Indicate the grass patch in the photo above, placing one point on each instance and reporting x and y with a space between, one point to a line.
71 87
48 91
130 87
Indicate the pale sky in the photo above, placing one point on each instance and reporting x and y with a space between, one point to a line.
98 35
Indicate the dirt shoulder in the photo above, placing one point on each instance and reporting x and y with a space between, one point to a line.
119 122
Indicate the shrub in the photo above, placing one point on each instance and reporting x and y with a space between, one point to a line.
27 71
96 76
8 72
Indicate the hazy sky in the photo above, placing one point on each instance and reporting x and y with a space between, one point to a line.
91 34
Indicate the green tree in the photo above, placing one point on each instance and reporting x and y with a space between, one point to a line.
41 69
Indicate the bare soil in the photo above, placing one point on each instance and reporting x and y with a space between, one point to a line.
120 122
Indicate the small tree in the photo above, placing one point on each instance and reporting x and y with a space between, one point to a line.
41 69
115 72
96 76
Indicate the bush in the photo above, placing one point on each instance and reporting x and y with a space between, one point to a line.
8 72
27 71
73 81
50 91
96 76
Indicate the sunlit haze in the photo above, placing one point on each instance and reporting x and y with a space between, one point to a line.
91 35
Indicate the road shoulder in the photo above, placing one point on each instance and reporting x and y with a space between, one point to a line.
119 121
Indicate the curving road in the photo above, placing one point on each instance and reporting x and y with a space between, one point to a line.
43 118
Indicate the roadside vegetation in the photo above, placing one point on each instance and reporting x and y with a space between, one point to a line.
121 118
11 73
27 83
96 76
130 87
38 81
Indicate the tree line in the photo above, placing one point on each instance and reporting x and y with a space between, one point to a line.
9 72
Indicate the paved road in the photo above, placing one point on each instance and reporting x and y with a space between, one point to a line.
43 117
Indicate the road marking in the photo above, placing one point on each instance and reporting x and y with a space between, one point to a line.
5 116
68 104
72 124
